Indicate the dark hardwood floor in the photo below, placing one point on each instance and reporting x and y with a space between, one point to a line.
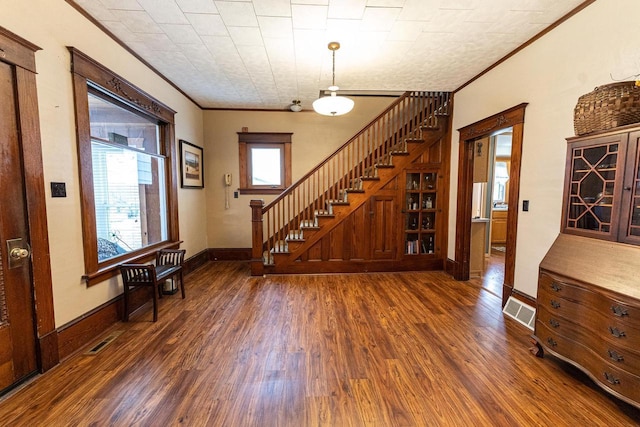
402 349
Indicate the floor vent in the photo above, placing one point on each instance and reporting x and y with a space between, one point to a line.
521 312
103 343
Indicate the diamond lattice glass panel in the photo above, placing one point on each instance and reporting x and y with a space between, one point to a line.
603 213
591 188
595 154
588 222
576 208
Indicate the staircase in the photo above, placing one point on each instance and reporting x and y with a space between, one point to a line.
287 229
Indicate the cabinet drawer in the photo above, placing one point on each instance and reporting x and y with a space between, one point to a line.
612 378
608 349
552 288
617 331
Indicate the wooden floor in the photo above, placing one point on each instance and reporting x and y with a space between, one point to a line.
406 349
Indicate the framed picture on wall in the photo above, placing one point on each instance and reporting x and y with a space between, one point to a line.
191 165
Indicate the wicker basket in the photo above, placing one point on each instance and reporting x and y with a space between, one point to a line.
607 107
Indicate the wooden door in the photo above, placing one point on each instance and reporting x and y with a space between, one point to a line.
384 226
17 326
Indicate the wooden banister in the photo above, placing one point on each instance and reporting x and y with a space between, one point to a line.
297 208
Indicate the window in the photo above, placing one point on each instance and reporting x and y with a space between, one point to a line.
125 146
265 162
500 183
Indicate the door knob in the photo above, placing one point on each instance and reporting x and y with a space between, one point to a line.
17 252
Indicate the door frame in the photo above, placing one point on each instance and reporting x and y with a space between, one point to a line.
512 117
20 53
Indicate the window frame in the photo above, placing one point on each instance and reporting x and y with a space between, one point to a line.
87 74
249 140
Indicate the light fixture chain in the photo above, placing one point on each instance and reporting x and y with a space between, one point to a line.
333 79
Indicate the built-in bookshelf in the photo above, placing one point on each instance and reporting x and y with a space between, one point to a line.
420 213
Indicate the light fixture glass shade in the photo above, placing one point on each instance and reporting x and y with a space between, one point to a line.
333 105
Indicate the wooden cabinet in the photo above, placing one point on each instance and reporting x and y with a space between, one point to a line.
588 292
588 311
602 186
499 226
421 213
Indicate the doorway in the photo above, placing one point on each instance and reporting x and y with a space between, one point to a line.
512 118
28 340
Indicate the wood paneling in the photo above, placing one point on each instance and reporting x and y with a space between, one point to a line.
407 349
384 226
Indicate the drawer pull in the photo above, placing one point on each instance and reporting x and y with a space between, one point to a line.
555 304
619 311
554 323
613 355
556 287
611 379
551 342
616 332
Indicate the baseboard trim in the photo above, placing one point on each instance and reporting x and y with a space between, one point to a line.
49 352
79 332
195 261
527 299
230 254
449 266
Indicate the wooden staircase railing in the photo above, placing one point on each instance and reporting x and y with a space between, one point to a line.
342 172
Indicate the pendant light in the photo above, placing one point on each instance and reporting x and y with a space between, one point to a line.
333 105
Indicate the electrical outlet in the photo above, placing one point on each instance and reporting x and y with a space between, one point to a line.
525 206
235 194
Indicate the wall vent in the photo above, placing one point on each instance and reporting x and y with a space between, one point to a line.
521 312
103 343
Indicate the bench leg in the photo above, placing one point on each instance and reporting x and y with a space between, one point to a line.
181 284
126 303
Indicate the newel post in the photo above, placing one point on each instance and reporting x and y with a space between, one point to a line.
257 264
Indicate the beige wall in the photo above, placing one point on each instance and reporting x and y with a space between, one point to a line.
53 25
314 138
550 75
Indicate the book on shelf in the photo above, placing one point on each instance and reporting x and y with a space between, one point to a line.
412 247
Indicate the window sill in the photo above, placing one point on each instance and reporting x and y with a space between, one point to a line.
261 190
112 270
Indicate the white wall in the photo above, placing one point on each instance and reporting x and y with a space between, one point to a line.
314 138
53 25
550 75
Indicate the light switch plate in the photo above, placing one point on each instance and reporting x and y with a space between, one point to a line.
58 189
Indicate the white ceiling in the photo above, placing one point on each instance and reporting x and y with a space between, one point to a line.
262 54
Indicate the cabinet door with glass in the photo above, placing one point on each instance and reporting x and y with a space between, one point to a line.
420 213
594 186
629 229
